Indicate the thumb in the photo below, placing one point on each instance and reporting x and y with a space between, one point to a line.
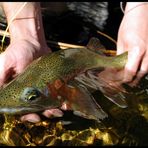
5 70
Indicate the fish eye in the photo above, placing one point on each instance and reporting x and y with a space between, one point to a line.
33 96
30 94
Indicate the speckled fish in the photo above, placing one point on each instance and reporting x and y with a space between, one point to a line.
48 82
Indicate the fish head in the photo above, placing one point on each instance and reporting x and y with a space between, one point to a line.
28 100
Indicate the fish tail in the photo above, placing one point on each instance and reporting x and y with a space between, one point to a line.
101 60
119 61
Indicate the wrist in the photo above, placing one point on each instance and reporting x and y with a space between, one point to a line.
132 5
27 24
24 29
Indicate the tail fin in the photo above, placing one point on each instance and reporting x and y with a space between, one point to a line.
112 89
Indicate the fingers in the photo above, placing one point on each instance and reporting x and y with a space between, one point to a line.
53 112
142 71
34 118
137 63
144 65
135 56
137 78
2 71
6 68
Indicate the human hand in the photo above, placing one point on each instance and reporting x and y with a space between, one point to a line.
27 42
17 56
13 61
132 37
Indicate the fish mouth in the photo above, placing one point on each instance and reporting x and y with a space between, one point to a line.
24 109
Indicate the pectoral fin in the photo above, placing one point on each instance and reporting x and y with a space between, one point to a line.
82 102
112 89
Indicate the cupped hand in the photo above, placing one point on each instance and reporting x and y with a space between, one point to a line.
14 59
133 37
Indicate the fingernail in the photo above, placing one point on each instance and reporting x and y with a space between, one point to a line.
33 120
55 113
58 113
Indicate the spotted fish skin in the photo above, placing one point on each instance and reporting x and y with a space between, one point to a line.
29 91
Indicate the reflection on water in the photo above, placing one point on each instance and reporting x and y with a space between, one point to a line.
123 126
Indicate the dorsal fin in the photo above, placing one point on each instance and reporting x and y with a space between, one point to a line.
95 45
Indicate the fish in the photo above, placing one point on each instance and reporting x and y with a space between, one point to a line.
49 81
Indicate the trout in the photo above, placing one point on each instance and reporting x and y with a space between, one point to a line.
48 82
